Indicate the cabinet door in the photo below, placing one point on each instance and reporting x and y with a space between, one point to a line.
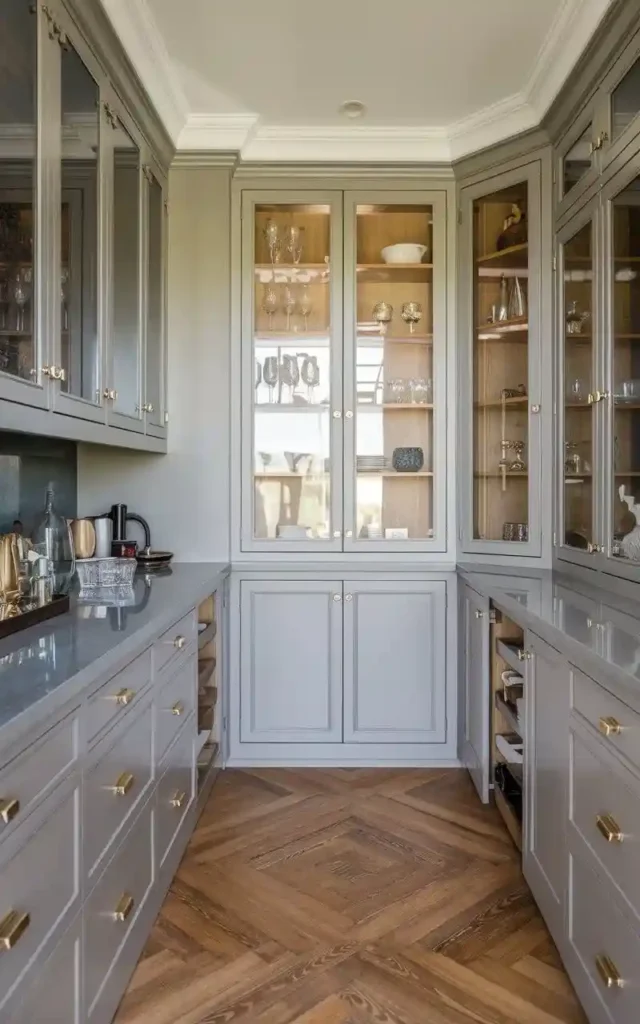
578 159
155 302
580 398
292 371
395 662
500 315
547 698
395 371
291 661
30 55
473 631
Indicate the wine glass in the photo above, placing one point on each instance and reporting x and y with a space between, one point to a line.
310 373
271 374
305 305
273 240
21 296
293 242
382 313
4 302
258 375
270 303
289 305
64 306
411 314
290 373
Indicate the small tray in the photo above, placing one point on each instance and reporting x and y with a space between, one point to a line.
31 616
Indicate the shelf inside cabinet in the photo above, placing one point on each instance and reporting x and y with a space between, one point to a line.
508 713
497 403
496 474
509 816
493 331
514 256
400 406
391 473
508 651
287 407
207 634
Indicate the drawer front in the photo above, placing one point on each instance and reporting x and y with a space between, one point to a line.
175 641
173 704
40 879
615 722
34 773
606 812
114 904
175 791
601 936
114 786
117 696
53 993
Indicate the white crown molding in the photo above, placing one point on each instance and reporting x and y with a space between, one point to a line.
216 131
146 49
510 116
344 143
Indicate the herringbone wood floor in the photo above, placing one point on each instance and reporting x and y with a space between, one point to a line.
346 896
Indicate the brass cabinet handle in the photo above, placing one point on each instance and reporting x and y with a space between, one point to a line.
593 549
597 396
110 394
123 697
608 972
478 613
123 785
125 905
55 372
147 407
8 809
179 642
609 726
608 827
177 800
178 708
523 655
12 927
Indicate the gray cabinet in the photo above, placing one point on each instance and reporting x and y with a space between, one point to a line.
291 661
473 625
394 661
545 863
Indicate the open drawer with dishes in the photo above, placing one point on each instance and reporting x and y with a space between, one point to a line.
209 717
507 720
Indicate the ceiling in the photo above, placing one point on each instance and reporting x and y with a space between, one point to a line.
438 80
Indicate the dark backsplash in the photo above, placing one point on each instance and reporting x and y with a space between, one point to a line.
27 464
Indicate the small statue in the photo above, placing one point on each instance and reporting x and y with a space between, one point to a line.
630 545
514 229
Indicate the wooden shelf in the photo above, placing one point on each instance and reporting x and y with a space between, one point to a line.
519 326
206 671
497 475
393 474
394 266
313 338
290 407
400 406
515 256
509 817
292 266
508 715
287 475
518 400
207 634
507 649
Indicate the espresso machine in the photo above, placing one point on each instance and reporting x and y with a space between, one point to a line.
123 547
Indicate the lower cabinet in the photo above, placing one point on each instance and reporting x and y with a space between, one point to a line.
473 623
340 662
55 991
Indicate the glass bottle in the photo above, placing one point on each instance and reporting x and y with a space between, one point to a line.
52 537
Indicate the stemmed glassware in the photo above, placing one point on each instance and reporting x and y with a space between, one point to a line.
289 305
21 296
290 373
411 313
270 303
305 306
271 374
273 240
310 373
258 375
293 237
382 313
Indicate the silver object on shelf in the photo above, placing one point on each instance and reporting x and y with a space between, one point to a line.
105 572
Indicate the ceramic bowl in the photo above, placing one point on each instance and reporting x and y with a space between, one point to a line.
407 460
403 252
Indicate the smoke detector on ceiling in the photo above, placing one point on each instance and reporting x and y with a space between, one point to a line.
352 109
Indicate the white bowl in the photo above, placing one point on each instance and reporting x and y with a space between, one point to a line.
403 252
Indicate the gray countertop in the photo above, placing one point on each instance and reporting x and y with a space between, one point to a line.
597 628
45 667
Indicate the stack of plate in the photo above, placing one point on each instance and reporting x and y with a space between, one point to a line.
370 463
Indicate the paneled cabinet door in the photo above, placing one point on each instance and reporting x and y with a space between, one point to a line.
394 661
155 301
474 666
547 696
291 661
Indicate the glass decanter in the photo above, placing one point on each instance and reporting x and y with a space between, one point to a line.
52 537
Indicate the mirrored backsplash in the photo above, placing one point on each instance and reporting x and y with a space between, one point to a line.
27 465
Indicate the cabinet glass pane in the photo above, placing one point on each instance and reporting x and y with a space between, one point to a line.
625 376
501 366
155 345
578 409
80 144
18 124
292 345
625 100
394 372
577 161
125 339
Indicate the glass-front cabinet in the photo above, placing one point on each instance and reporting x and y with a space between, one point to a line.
500 399
343 371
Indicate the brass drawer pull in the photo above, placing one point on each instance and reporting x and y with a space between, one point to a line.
12 927
125 905
9 809
609 828
123 697
178 799
179 642
177 709
608 972
123 785
609 726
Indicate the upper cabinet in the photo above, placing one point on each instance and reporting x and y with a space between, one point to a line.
82 238
499 368
343 371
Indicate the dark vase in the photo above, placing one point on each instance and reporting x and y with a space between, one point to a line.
407 460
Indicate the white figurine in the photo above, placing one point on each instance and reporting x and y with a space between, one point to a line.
630 544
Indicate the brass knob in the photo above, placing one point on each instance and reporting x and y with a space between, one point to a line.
593 549
608 972
179 642
124 906
12 927
110 394
523 655
609 726
608 827
9 808
178 799
337 597
348 597
348 414
147 407
123 784
337 414
123 697
478 613
178 708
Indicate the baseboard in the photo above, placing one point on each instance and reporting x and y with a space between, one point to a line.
335 762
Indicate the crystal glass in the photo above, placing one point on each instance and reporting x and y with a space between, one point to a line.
290 373
273 239
289 304
411 314
305 305
293 241
271 374
52 537
383 314
270 304
310 374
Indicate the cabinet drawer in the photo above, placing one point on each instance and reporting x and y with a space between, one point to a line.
34 773
39 885
608 798
175 642
52 991
603 939
114 904
175 791
173 704
616 722
119 694
115 784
